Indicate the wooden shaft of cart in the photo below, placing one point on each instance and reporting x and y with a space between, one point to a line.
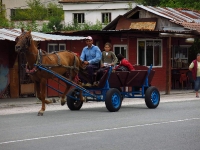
64 79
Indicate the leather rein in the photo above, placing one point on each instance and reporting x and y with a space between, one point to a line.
39 62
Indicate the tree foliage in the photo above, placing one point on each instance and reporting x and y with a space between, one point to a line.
3 21
149 2
191 4
38 11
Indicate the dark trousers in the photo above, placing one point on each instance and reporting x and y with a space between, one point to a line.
90 69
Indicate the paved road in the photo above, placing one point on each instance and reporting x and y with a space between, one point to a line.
172 126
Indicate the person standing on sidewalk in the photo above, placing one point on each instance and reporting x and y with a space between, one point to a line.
195 68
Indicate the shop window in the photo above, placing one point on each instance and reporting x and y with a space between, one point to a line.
180 56
149 52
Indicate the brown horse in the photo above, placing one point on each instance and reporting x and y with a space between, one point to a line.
64 63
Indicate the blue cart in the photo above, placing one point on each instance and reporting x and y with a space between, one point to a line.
112 88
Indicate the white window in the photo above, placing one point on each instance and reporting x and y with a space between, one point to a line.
79 18
121 49
56 47
62 47
149 52
106 17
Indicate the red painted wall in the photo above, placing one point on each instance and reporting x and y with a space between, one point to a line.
159 79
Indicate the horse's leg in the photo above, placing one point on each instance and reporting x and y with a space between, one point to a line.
81 95
38 93
42 96
80 91
63 96
39 96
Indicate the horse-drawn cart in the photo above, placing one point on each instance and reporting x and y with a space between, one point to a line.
113 87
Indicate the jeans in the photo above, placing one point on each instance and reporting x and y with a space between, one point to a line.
197 84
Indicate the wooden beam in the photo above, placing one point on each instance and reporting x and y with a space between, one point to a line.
168 67
176 35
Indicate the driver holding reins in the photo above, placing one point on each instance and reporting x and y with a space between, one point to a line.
91 56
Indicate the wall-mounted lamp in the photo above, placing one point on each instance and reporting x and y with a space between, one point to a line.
189 40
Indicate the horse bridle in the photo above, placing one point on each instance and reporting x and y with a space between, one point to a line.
25 42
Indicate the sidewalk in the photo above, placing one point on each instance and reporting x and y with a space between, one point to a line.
32 104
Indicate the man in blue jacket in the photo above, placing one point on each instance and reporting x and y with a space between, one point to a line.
91 57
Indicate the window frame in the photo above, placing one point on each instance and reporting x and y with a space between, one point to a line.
145 59
121 45
103 17
12 13
56 44
82 18
62 44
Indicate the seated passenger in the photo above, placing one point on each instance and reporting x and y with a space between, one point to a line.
124 64
91 57
108 58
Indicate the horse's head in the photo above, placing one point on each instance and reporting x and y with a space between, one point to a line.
23 41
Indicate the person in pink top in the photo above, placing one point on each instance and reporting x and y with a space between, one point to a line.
124 63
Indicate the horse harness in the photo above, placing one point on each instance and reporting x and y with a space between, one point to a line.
41 53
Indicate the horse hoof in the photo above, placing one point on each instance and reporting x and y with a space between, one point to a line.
62 103
53 100
40 114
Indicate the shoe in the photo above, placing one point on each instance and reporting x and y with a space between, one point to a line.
96 83
197 96
88 85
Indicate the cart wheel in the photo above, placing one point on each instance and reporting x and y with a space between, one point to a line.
152 97
72 103
113 100
120 90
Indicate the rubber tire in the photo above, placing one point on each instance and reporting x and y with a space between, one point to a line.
120 90
113 100
152 97
71 103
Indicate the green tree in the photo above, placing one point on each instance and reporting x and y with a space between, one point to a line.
35 11
191 4
3 21
55 24
38 11
55 10
148 2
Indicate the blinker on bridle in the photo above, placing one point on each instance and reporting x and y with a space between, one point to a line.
25 41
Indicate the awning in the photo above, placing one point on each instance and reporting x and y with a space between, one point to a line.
11 34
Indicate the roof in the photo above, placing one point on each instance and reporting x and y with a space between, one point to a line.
189 19
11 34
180 15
